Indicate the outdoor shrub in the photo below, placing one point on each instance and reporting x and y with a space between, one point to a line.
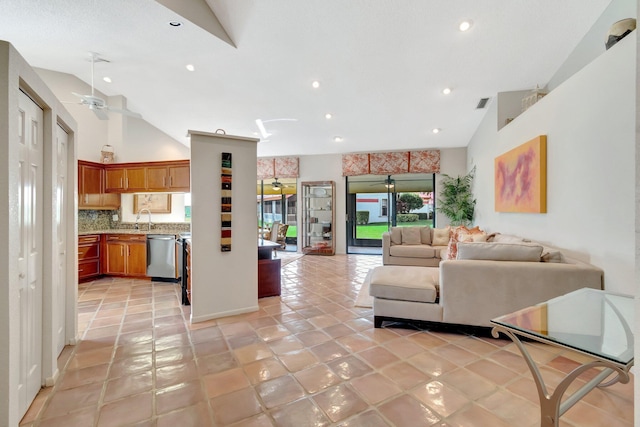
423 215
362 217
407 217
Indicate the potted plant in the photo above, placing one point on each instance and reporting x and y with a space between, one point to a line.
456 200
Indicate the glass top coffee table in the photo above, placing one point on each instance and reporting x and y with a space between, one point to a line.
593 322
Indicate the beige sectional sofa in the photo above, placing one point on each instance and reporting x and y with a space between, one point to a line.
485 281
417 246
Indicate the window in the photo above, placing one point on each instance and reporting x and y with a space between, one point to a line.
384 207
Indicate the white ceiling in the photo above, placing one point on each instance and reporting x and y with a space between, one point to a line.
382 64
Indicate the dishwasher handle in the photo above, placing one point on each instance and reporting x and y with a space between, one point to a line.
160 237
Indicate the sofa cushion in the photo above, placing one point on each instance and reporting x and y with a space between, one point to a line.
396 236
499 251
412 251
404 283
440 237
425 235
411 236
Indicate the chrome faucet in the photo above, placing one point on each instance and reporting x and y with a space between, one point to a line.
138 218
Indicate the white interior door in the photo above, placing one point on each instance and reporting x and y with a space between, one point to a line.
60 286
30 142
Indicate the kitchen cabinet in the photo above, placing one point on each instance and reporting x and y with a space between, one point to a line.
125 179
91 190
126 254
88 257
148 177
318 218
172 177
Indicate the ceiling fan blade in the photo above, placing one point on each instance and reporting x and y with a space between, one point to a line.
100 113
125 112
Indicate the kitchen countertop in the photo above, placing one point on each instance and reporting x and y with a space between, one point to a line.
130 231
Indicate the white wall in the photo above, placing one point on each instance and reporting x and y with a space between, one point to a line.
134 140
589 121
223 283
593 43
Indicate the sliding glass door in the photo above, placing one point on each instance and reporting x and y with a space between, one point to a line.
277 201
377 202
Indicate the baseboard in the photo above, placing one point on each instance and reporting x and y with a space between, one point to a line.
50 381
213 316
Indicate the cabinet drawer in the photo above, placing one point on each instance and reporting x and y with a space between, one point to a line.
88 252
126 238
89 238
88 268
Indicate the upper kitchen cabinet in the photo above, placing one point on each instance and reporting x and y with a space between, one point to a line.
168 177
173 177
91 189
128 179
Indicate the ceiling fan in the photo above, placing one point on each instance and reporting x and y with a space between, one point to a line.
278 185
388 182
97 104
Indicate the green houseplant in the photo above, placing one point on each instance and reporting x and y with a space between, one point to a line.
456 200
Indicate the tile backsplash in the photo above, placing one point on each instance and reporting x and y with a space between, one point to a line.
97 220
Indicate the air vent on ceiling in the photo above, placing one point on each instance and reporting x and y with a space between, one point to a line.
482 103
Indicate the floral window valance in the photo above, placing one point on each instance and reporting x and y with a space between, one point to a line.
390 163
278 167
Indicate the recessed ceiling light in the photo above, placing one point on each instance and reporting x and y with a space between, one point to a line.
107 79
465 25
337 139
315 84
446 90
328 116
175 23
190 67
436 130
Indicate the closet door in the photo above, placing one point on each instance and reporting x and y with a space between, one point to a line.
29 144
60 285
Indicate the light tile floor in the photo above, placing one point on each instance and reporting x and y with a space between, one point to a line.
307 358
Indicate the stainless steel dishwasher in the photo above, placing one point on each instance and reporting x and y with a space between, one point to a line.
161 257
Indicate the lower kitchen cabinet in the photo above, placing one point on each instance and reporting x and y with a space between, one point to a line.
88 257
126 254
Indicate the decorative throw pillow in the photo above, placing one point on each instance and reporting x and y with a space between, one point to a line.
440 237
411 235
479 237
458 234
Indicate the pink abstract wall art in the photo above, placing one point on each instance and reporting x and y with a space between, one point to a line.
521 178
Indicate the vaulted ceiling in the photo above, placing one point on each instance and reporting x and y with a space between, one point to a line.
381 65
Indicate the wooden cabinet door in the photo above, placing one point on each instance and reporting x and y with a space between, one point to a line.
114 180
136 179
90 179
180 178
157 178
115 254
89 186
136 259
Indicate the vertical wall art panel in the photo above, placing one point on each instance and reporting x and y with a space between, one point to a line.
521 178
225 203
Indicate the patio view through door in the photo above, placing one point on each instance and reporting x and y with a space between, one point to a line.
277 200
375 203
